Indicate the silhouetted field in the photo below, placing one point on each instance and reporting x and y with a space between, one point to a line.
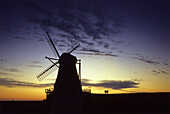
99 103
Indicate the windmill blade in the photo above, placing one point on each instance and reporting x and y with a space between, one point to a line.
50 42
74 48
50 59
47 72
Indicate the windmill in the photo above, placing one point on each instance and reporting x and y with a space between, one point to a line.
67 86
54 66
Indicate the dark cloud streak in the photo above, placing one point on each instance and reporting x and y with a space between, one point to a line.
12 70
3 73
159 72
97 54
8 82
150 60
36 64
113 84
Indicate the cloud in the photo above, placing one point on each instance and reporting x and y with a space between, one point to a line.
9 82
147 60
85 80
150 60
36 64
91 50
3 61
21 38
92 24
166 62
11 69
159 72
113 84
78 22
130 91
100 54
75 22
88 51
36 7
4 70
164 72
3 73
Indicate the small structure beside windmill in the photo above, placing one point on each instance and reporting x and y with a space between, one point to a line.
67 88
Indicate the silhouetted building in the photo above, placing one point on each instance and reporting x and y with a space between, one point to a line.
67 88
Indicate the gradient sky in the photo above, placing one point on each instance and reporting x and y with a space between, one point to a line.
124 44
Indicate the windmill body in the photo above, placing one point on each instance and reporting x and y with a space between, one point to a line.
67 82
67 88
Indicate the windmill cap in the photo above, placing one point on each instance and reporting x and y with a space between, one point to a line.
67 58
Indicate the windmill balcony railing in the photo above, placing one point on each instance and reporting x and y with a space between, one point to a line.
49 91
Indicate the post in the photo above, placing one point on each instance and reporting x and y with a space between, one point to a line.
80 70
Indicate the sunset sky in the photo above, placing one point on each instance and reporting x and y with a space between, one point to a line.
124 44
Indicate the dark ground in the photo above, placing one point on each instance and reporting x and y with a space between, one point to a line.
99 103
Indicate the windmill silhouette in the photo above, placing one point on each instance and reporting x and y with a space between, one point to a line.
67 88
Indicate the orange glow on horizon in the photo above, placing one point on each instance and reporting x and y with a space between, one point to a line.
22 93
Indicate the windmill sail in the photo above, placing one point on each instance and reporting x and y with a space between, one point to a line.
47 72
74 48
50 42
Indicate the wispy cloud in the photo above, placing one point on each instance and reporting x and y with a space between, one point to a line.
6 70
150 60
36 64
91 25
21 37
100 54
113 84
3 60
9 82
12 69
147 60
166 62
76 23
3 73
159 72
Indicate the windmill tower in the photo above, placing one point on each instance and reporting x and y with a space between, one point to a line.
67 88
